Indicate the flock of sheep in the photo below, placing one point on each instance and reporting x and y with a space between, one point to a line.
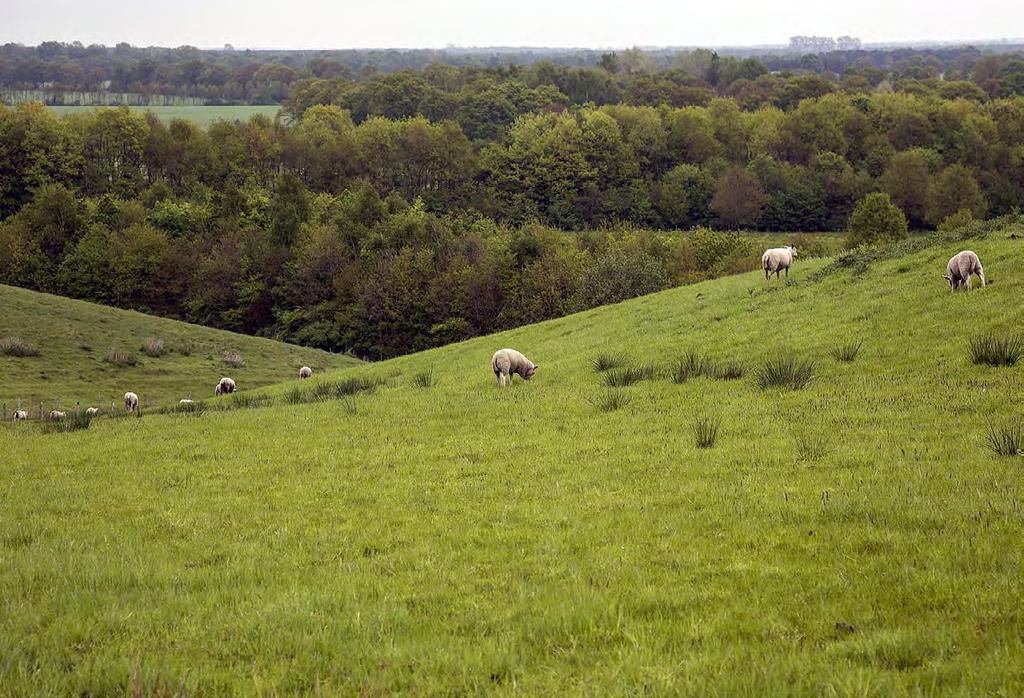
507 363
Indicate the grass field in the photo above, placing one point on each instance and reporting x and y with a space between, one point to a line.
202 115
438 536
74 337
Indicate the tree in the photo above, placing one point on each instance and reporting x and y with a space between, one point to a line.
956 189
875 219
739 198
908 181
683 196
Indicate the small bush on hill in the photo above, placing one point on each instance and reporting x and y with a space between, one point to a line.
1005 440
14 346
995 350
785 372
233 359
120 358
151 346
875 219
845 352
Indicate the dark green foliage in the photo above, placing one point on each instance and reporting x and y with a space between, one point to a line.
876 219
786 371
995 350
1005 440
622 377
845 352
705 431
13 346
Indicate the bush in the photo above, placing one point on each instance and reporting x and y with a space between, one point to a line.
606 362
120 358
622 377
424 379
151 346
845 352
705 431
955 221
1005 440
994 350
876 219
14 346
611 400
785 372
233 359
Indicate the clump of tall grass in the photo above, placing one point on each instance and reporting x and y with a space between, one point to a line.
705 431
424 379
728 370
295 396
995 350
611 400
184 347
845 352
344 387
811 447
1005 440
151 346
606 362
233 359
117 357
196 408
15 346
785 372
249 400
689 366
71 422
622 377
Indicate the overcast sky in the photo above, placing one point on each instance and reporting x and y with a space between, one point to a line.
423 23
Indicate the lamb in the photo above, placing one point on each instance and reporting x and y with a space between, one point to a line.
92 411
776 259
184 401
57 414
131 401
959 270
226 386
20 415
507 362
305 372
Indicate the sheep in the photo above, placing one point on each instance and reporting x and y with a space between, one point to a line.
226 386
507 362
305 372
57 414
92 411
20 415
184 401
959 269
776 259
131 401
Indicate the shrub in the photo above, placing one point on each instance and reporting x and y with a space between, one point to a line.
995 350
611 400
705 431
14 346
151 346
875 219
233 359
120 358
845 352
606 362
1005 440
621 377
72 422
955 221
785 372
424 379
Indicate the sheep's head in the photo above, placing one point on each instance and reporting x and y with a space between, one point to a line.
529 372
792 248
949 278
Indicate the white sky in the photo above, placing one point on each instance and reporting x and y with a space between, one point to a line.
435 23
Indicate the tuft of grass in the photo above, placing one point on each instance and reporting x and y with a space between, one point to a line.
1005 440
233 359
845 352
424 379
249 400
995 350
691 365
15 346
120 358
606 361
622 377
151 346
728 370
705 431
355 384
785 372
295 396
184 347
611 400
72 422
812 447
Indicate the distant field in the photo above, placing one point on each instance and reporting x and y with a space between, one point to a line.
201 115
73 338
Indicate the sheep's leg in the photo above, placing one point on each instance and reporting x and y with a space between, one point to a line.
500 378
969 286
787 272
981 278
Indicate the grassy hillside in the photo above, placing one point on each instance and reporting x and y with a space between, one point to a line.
436 535
74 337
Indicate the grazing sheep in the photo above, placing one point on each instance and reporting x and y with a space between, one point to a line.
92 411
184 401
959 270
776 259
131 401
305 372
20 415
225 387
57 414
507 362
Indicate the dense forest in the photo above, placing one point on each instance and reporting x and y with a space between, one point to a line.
415 208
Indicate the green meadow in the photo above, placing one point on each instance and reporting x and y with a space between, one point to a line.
407 527
201 114
74 338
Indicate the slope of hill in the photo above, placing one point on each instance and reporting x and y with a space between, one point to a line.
74 337
437 535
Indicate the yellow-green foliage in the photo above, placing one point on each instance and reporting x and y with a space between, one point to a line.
856 537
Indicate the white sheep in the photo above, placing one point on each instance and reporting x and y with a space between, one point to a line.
184 401
20 415
131 401
92 411
226 386
305 372
507 362
777 259
57 414
959 269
